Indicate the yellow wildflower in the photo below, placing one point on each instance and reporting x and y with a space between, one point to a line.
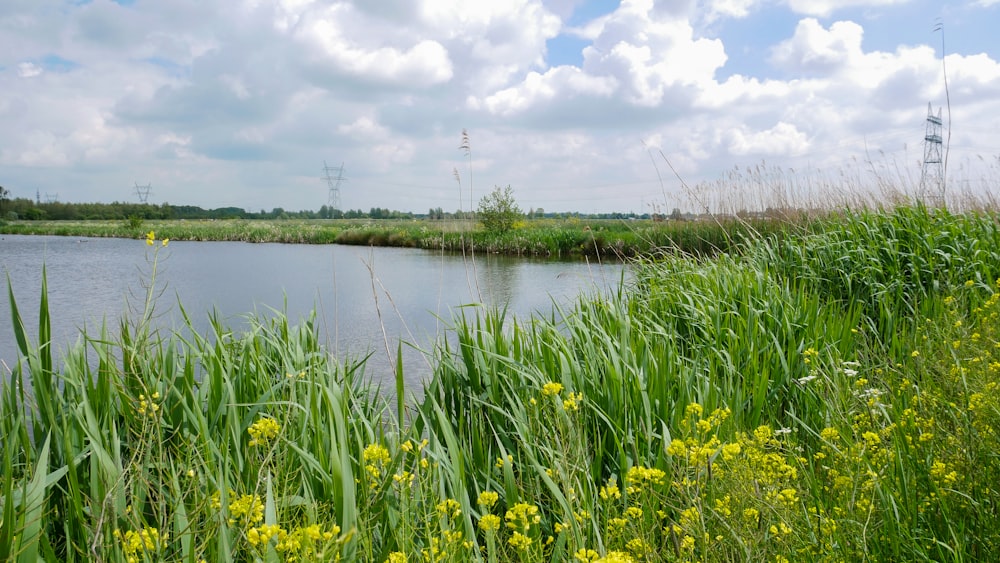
616 557
489 523
522 516
677 448
552 388
375 457
693 411
449 508
572 402
488 498
519 541
610 491
730 451
136 544
638 547
501 462
248 508
263 431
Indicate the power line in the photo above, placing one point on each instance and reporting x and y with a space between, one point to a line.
932 175
143 192
333 183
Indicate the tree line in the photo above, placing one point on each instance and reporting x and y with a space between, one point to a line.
27 209
13 209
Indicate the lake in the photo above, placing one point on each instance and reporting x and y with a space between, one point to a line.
355 291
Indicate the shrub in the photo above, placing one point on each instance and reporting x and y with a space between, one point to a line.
498 211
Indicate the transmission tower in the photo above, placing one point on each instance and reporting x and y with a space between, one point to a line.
932 176
143 192
51 198
334 177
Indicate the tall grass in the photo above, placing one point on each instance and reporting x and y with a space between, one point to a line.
819 394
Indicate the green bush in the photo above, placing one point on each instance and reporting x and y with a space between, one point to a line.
498 211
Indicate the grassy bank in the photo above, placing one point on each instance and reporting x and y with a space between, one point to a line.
820 396
540 238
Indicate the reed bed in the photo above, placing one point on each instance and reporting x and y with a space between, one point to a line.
569 238
821 394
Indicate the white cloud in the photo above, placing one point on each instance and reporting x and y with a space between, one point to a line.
365 127
738 89
974 72
815 50
217 102
783 139
730 8
425 42
824 8
406 61
491 42
637 55
28 70
562 82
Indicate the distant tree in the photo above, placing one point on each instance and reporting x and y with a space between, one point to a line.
498 211
4 195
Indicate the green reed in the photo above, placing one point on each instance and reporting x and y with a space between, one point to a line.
816 394
572 237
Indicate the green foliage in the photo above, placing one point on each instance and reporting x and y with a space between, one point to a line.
134 223
820 395
599 238
498 211
120 211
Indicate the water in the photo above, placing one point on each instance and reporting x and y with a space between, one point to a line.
357 292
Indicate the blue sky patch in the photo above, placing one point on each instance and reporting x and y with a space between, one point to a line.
565 50
591 9
748 41
55 63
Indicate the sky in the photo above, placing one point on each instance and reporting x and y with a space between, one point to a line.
578 105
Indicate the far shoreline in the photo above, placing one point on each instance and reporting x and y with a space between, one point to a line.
569 238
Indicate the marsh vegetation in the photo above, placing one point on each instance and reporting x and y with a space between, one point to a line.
811 394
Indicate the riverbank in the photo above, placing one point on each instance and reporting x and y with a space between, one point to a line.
556 238
826 396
